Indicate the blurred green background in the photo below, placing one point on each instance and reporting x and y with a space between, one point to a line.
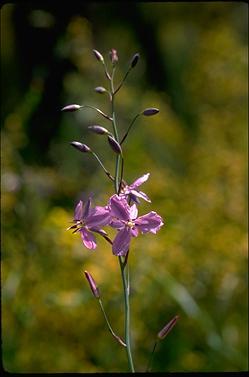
194 68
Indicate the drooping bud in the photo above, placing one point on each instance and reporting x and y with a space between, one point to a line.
98 56
81 147
92 284
167 328
100 89
150 111
98 130
134 60
113 56
114 145
71 108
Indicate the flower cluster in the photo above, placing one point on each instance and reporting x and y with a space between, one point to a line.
118 214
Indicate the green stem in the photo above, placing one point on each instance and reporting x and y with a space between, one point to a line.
151 358
127 314
123 264
101 164
109 326
127 132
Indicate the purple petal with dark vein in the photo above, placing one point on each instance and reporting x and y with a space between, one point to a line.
151 222
99 231
86 208
117 224
78 211
134 232
99 216
88 239
133 212
140 194
119 207
139 181
134 198
121 242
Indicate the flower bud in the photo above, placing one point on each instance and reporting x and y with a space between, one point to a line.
81 147
134 60
98 55
150 111
98 130
113 56
92 284
100 89
71 108
167 328
114 145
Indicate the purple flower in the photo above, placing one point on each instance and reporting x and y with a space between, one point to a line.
133 192
127 223
88 220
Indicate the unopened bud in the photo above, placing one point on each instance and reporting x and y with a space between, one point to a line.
98 55
92 284
113 56
114 145
100 89
98 130
71 108
81 147
167 328
150 111
134 60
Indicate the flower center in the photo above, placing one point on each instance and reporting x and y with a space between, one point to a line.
130 224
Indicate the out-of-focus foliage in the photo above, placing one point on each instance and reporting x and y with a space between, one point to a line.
194 68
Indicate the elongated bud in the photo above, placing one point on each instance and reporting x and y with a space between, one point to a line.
71 108
114 145
81 147
92 284
134 60
98 130
113 56
98 55
100 89
150 111
167 328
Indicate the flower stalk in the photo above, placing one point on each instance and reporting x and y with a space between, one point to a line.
122 261
121 211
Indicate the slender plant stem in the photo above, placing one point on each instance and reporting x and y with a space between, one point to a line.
151 358
123 264
101 164
126 134
127 314
109 325
98 110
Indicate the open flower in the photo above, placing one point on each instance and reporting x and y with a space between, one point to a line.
132 190
125 220
88 220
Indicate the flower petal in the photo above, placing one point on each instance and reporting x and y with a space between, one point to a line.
117 224
133 212
151 222
86 209
134 232
78 211
140 194
121 242
98 217
139 181
88 239
119 207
